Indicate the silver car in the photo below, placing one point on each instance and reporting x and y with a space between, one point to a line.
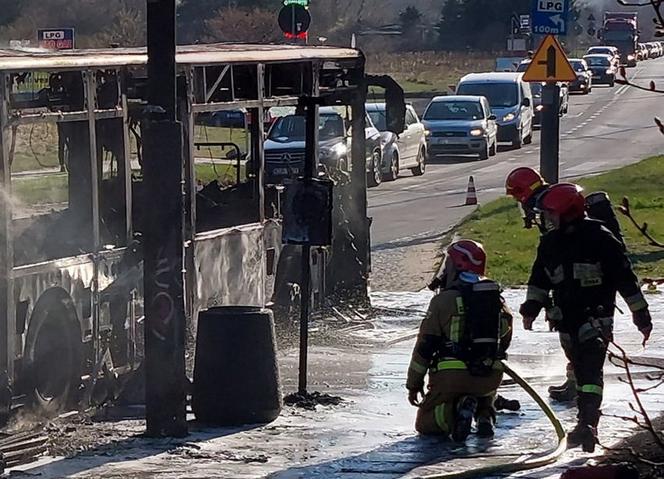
459 125
407 150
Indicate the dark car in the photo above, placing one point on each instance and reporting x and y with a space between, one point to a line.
536 88
584 77
284 146
603 69
226 119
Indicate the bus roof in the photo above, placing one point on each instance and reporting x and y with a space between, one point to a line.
208 54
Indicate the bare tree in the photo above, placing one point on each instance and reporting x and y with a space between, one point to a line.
246 26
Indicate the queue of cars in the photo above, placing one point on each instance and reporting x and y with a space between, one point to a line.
388 154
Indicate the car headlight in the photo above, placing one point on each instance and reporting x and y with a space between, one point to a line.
476 132
630 57
509 117
427 133
539 107
609 71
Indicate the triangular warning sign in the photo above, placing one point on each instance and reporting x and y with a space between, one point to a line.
549 63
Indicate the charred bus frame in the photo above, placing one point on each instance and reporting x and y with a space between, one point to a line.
73 316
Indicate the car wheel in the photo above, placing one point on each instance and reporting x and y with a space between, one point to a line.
493 150
484 154
518 140
374 176
529 139
421 164
394 168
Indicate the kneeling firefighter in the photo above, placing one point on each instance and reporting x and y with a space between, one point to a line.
526 186
462 339
584 265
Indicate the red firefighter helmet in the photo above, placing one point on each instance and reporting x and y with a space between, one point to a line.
564 201
522 183
467 255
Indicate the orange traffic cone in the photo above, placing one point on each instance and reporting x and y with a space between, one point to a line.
471 195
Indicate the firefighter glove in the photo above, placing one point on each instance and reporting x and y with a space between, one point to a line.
643 321
414 397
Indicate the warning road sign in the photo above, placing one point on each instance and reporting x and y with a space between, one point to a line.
549 63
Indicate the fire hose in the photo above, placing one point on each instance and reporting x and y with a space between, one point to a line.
523 464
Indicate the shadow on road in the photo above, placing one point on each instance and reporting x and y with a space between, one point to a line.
450 160
391 461
137 447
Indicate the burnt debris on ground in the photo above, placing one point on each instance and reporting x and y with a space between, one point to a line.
309 401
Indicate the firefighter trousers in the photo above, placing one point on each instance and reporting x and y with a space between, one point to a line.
437 413
566 344
588 361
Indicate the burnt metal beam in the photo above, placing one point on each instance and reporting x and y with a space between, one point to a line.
163 236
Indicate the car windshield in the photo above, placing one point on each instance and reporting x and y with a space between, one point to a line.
536 88
379 119
292 128
499 94
617 35
600 51
598 62
523 66
578 66
454 110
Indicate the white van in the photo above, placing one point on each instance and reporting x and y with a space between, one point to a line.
511 101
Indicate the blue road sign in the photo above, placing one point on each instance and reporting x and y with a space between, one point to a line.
550 17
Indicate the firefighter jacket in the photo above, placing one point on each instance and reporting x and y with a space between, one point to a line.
584 265
444 321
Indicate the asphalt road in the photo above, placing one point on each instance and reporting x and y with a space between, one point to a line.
606 129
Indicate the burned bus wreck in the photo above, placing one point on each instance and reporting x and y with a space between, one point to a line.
73 203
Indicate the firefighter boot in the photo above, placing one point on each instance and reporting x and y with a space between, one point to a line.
583 435
503 404
485 428
565 392
465 411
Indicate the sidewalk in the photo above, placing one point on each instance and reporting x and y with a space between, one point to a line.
371 434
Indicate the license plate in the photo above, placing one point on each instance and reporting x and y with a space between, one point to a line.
285 171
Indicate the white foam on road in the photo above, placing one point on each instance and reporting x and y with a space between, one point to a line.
371 435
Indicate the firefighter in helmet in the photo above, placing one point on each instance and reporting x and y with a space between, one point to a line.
526 186
464 335
583 264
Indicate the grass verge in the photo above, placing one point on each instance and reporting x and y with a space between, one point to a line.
511 249
422 72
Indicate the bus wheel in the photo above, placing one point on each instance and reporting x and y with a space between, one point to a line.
53 355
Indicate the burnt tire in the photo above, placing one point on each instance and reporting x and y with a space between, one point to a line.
52 362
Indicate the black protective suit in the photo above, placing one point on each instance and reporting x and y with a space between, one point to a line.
584 265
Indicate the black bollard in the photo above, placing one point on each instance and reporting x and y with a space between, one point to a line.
236 376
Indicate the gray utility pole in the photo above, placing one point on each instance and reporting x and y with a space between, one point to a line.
550 134
165 395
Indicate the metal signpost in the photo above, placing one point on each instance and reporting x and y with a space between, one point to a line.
549 17
550 65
